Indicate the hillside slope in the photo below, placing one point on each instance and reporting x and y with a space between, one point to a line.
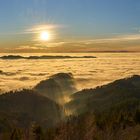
22 108
58 87
106 96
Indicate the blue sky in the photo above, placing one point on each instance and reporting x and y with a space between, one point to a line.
87 19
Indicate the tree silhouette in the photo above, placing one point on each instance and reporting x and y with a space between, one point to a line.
37 132
16 134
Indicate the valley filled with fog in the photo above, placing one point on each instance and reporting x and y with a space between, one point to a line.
89 72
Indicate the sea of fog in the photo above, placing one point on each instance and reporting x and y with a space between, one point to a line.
88 72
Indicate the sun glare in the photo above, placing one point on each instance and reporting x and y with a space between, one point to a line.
44 36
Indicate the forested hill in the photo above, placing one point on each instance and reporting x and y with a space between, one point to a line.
105 97
108 112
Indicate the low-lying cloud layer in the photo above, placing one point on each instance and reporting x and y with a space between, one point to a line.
107 67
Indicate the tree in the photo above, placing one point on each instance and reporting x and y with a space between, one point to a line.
16 134
37 133
137 116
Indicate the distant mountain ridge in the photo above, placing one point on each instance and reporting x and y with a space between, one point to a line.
14 57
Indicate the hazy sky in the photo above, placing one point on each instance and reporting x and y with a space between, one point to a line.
71 22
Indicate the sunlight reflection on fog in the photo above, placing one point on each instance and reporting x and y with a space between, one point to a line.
89 73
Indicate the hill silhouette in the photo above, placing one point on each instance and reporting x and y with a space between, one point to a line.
21 108
106 96
57 87
14 57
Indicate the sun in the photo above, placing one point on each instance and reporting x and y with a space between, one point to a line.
44 36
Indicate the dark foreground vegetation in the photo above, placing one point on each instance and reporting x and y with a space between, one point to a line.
109 112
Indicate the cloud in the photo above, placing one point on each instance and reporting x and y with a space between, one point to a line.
51 44
128 42
26 47
77 43
39 28
121 38
35 31
7 73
